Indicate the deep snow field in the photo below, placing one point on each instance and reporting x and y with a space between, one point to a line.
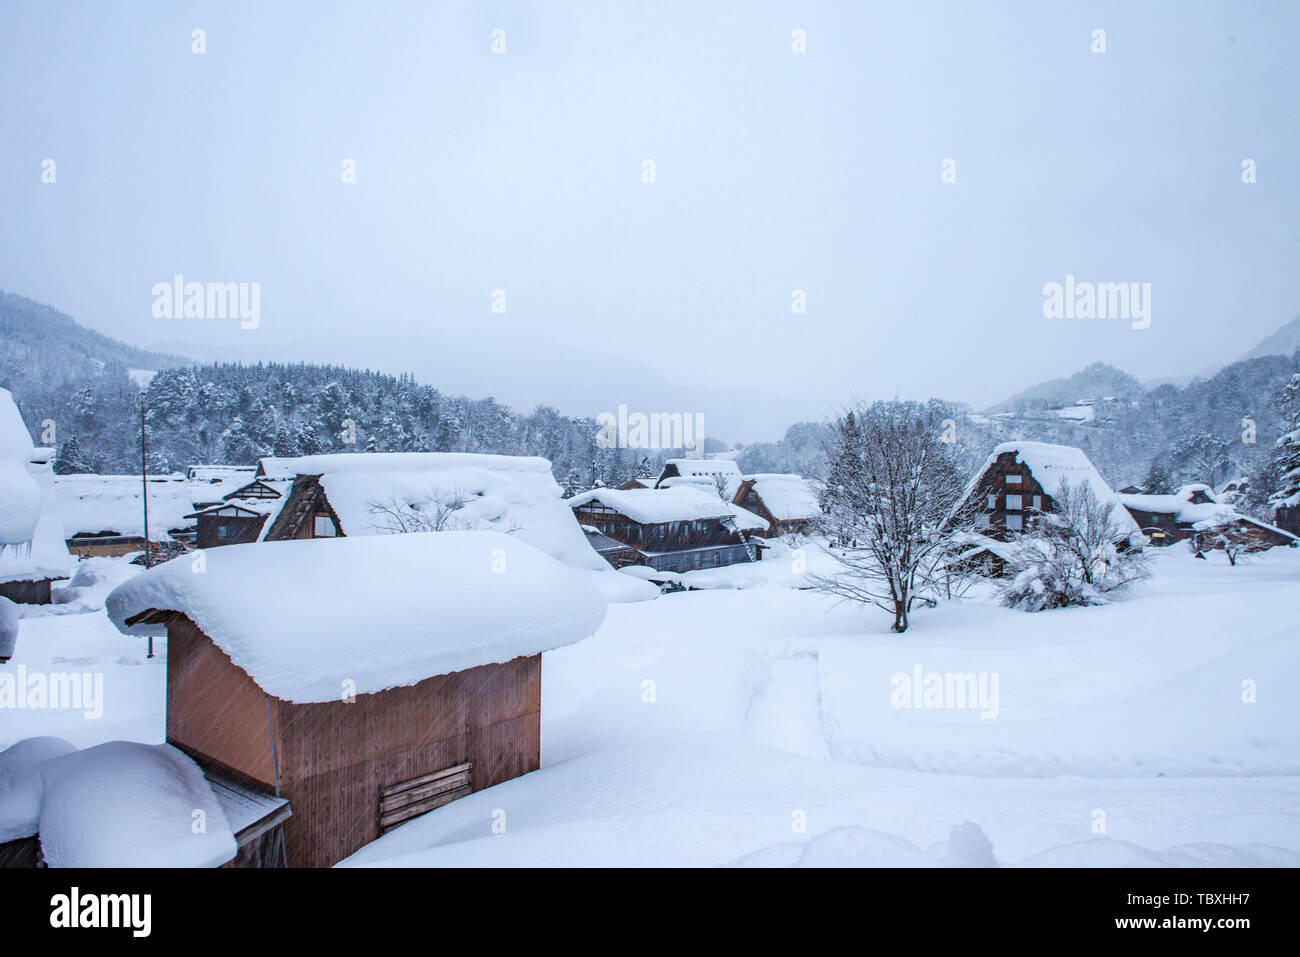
754 724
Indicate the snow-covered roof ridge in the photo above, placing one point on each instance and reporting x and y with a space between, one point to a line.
302 617
111 503
1180 504
677 503
705 466
337 462
377 493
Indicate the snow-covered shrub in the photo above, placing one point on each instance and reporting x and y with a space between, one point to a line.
1076 555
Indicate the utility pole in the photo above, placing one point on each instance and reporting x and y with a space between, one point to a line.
144 499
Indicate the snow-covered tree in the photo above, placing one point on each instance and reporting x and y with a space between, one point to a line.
1227 534
1072 556
892 485
1157 481
1285 462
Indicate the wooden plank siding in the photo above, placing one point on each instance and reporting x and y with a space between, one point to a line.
334 759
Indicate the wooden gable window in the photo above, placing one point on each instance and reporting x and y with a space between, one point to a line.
323 527
408 799
1012 478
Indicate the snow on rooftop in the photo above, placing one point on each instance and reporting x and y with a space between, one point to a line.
124 804
1180 504
466 491
302 617
675 503
787 496
90 504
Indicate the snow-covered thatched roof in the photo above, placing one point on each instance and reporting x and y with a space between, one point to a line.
32 546
787 496
90 504
1054 465
458 490
701 472
303 617
1180 504
678 503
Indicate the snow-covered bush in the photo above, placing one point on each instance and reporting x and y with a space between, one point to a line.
1076 555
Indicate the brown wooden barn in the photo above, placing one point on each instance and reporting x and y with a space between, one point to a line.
676 529
368 680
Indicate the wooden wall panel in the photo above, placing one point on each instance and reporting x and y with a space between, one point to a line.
213 707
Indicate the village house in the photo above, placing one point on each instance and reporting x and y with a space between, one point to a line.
104 514
32 549
1166 519
677 529
701 473
385 493
786 502
1019 481
283 674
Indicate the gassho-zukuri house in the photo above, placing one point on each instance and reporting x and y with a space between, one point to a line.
1019 479
786 502
675 529
366 680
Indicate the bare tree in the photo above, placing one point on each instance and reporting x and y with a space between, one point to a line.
891 486
1226 532
720 485
1074 555
434 513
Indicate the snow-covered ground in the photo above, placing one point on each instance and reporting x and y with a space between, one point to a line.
754 723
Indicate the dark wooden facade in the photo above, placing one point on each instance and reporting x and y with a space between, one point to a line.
35 592
1007 498
678 546
334 760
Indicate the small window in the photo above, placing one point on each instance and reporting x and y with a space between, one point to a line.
1013 522
225 531
324 527
993 501
1038 502
1012 479
1013 503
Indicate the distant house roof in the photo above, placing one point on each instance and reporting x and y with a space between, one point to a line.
678 503
703 472
377 612
787 496
220 474
505 493
91 504
1181 505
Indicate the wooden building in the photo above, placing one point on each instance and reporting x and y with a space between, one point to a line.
367 680
1166 519
103 515
1020 481
786 502
676 529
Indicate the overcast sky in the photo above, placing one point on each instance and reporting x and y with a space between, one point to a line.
774 171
